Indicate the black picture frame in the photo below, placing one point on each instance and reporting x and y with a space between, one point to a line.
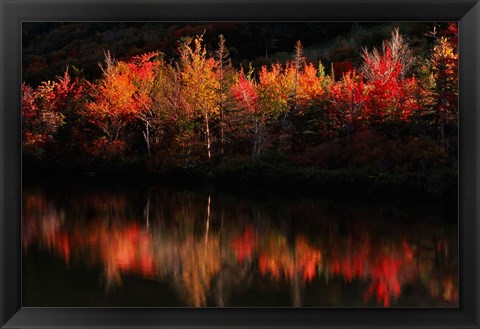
13 12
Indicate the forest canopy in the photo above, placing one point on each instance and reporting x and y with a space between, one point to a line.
377 97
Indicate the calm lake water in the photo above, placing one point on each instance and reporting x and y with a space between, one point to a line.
113 245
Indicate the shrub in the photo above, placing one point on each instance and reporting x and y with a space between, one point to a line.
370 152
328 155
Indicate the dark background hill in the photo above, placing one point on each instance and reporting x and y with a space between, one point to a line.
49 47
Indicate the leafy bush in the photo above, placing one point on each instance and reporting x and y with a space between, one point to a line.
371 152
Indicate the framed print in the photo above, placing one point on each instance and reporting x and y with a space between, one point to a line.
239 164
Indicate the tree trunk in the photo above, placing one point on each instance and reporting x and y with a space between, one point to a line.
207 133
255 139
222 140
221 107
146 135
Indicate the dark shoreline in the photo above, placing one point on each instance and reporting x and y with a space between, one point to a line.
435 185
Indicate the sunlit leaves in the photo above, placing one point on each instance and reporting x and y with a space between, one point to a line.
200 85
347 102
395 58
41 111
273 92
197 107
391 98
311 84
112 99
245 93
444 64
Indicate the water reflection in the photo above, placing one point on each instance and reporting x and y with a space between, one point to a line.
218 250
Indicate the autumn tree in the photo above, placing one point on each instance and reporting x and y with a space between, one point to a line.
222 56
246 95
298 62
347 98
312 85
395 56
391 97
113 103
70 103
143 70
274 90
39 118
200 84
312 121
171 119
444 67
47 108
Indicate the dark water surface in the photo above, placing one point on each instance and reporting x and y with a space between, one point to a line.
115 245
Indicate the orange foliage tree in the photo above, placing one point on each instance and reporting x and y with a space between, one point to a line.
114 104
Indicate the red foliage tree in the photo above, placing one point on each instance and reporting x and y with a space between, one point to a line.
347 98
390 98
45 109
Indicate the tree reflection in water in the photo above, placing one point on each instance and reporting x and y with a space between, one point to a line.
212 248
